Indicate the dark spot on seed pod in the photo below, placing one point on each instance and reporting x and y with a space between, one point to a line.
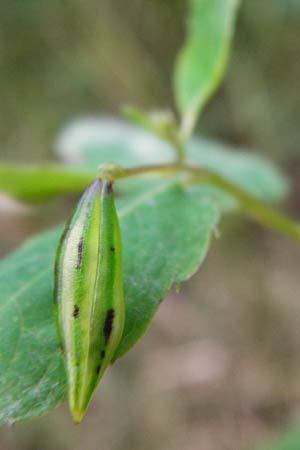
112 249
79 255
76 311
108 187
102 354
107 328
98 369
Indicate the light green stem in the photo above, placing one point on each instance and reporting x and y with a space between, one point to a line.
255 208
249 204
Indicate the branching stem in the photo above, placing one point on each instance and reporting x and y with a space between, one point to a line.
249 204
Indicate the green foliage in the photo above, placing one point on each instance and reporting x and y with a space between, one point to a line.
247 170
31 367
202 60
36 183
157 254
166 222
127 145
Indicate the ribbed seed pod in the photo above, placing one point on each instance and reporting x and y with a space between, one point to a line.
88 297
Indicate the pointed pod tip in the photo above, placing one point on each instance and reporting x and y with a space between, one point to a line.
77 416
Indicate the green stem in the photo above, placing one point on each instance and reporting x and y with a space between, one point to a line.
253 207
161 123
187 125
180 152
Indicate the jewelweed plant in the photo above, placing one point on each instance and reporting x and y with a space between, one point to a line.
172 188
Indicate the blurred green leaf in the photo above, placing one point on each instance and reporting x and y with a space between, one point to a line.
288 440
247 170
41 182
202 61
156 255
86 144
91 142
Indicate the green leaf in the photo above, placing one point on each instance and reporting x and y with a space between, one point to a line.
86 144
156 255
91 142
247 170
37 183
202 61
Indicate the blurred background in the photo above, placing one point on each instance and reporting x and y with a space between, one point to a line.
220 367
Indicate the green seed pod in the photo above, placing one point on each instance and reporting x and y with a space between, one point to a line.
88 297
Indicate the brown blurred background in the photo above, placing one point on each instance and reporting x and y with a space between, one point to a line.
220 367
